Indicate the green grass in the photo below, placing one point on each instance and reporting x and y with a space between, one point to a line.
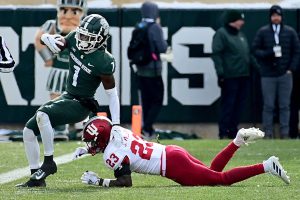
66 184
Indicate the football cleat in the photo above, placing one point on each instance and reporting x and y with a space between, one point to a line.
249 135
44 171
32 183
273 166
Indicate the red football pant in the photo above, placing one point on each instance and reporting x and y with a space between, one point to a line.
186 170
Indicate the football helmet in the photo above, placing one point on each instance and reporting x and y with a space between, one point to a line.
92 32
96 134
81 4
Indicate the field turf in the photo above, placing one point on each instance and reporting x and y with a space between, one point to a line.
66 183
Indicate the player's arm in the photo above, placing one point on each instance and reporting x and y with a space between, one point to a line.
123 178
122 174
109 85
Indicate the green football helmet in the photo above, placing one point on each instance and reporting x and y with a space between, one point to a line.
92 32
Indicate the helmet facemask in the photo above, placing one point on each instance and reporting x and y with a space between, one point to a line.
87 41
92 147
92 33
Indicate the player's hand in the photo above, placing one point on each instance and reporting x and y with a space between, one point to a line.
79 152
90 178
52 42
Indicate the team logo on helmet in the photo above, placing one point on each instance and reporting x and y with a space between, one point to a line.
96 134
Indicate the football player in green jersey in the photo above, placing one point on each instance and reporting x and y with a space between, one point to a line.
90 64
69 15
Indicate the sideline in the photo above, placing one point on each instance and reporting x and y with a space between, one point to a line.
22 172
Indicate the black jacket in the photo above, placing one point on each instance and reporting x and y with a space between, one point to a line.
263 50
150 12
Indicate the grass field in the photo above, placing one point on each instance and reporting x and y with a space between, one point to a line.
66 183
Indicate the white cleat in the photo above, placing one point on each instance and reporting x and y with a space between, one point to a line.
249 135
273 166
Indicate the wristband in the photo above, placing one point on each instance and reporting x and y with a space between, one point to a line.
106 182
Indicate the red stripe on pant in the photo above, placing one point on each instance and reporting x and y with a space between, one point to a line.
186 170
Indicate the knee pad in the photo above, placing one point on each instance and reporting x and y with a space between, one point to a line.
42 118
28 135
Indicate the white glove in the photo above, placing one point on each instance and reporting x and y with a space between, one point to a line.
79 152
52 41
90 178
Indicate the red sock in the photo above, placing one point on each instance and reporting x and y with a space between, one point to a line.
222 158
241 173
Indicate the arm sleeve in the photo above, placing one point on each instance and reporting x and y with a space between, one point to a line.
6 60
218 48
114 105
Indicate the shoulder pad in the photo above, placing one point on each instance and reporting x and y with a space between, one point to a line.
116 136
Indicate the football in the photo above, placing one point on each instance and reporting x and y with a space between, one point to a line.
62 39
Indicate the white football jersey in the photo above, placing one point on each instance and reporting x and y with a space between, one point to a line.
144 157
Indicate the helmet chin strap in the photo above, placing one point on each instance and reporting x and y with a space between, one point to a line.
90 51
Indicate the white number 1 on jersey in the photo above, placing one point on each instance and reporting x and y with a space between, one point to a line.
75 75
113 65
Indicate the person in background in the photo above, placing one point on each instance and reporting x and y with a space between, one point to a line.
7 63
295 104
149 76
232 60
277 49
69 15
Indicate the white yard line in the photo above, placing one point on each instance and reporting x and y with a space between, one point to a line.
22 172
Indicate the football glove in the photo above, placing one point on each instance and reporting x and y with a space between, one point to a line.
79 152
52 42
90 178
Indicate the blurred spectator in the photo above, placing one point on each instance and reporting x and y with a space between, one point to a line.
295 104
69 15
232 59
276 47
149 75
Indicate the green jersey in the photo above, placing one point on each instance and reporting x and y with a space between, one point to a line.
85 69
61 60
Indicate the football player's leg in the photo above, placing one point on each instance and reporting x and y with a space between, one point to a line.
243 137
47 135
181 173
46 131
189 173
223 157
32 149
240 173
